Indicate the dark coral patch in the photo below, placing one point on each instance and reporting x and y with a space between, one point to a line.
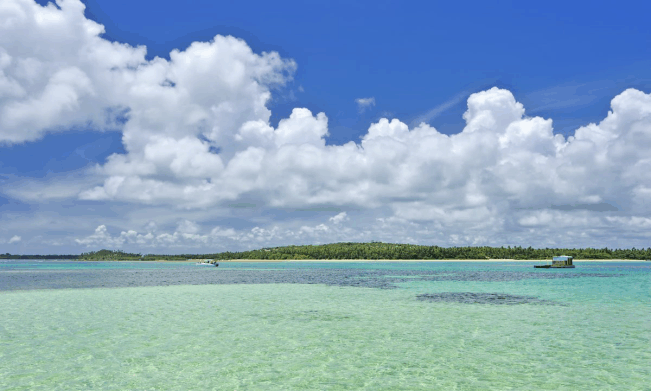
483 298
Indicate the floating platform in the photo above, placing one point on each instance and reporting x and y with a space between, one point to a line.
554 267
560 262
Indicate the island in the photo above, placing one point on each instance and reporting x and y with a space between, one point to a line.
361 251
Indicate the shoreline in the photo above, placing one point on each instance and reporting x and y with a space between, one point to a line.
348 260
417 260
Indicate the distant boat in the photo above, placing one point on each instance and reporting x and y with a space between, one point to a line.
560 262
207 263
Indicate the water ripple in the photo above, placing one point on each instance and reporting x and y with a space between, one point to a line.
352 277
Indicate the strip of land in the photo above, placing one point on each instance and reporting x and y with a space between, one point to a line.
368 252
542 261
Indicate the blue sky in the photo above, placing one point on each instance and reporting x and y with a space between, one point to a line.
229 160
415 56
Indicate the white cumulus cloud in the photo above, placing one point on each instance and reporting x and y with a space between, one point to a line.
339 218
197 134
189 234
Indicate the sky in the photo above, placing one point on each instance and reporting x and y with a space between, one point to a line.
207 126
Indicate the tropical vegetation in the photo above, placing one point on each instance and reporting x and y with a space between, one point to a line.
373 250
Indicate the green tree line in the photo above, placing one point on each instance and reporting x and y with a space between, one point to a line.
376 250
373 250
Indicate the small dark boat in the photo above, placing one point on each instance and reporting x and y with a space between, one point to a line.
542 266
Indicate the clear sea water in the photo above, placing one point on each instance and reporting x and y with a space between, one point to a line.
324 326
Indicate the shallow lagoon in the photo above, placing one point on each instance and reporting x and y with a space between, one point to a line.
324 326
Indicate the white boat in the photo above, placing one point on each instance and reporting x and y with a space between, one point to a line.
208 263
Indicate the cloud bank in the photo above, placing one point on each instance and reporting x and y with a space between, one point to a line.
197 135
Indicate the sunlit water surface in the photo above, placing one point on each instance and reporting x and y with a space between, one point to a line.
298 326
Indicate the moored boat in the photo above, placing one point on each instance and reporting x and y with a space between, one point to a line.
560 262
207 262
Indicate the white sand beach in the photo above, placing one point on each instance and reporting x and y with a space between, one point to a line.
425 260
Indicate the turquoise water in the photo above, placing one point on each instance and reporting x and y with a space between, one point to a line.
591 333
13 265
